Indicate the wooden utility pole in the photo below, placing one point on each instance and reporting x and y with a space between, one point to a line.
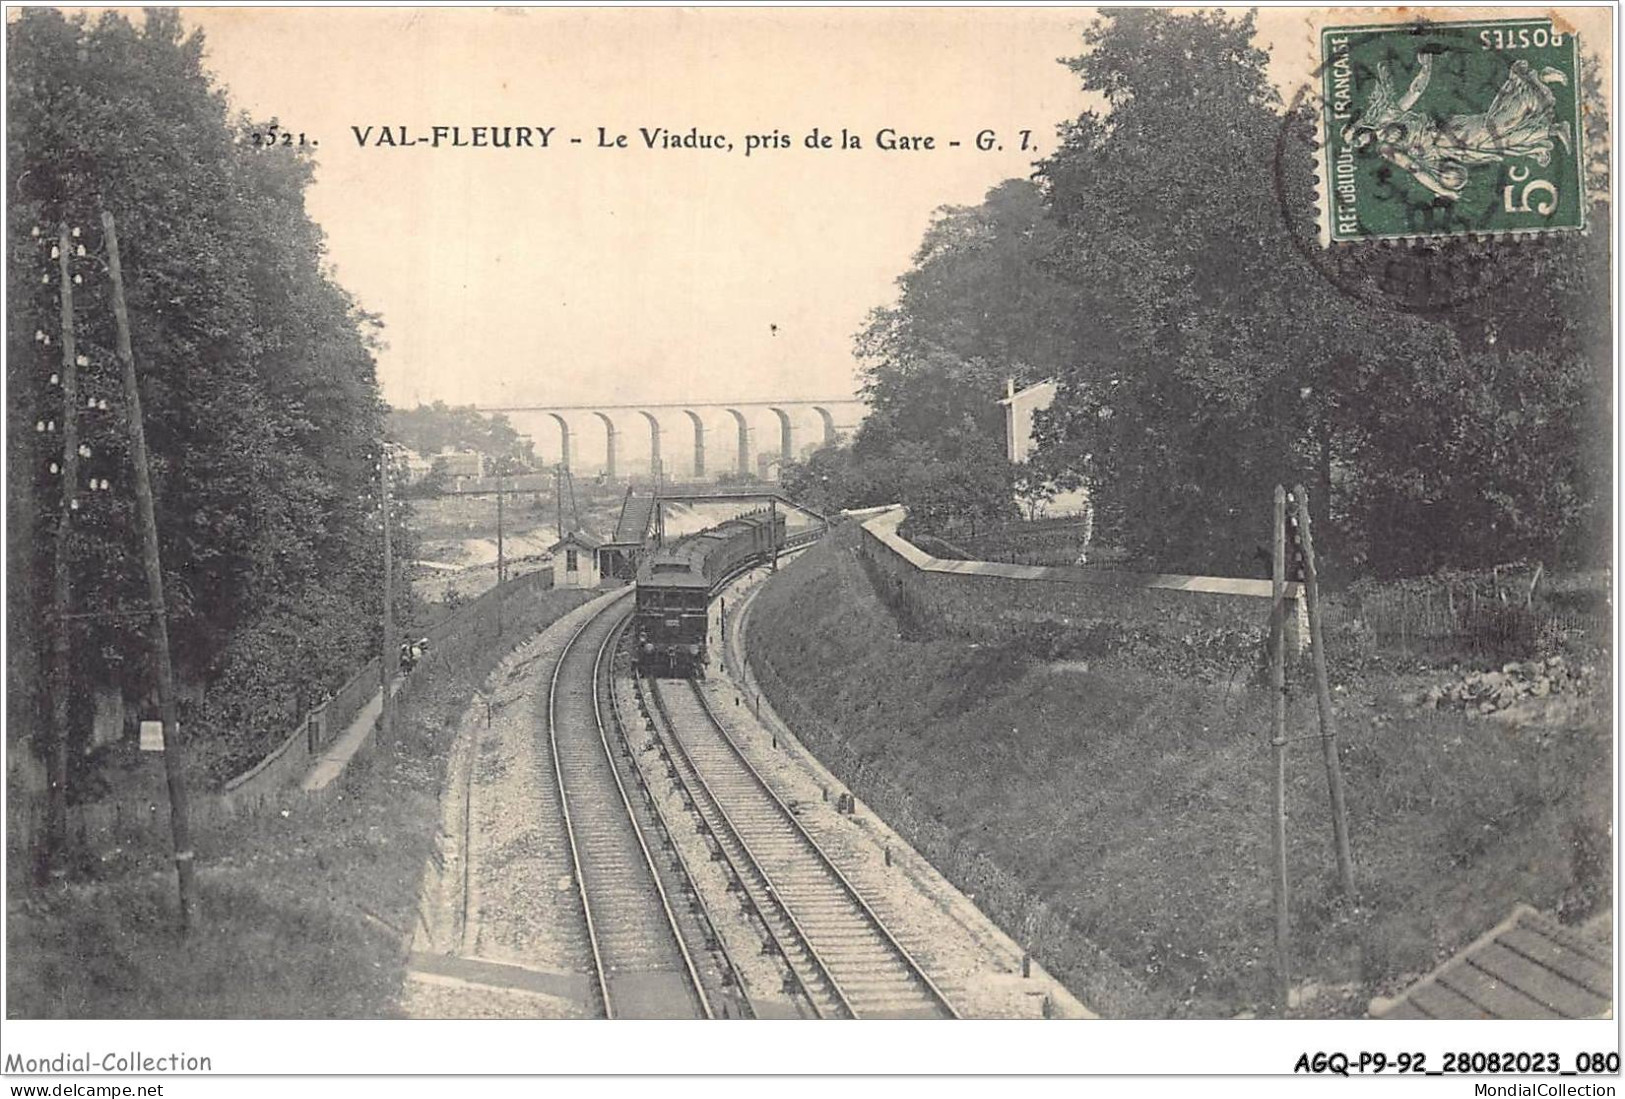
1283 956
174 744
773 528
558 496
1323 696
390 657
56 806
502 565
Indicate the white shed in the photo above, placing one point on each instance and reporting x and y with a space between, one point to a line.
575 560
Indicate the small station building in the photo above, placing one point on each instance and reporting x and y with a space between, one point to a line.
576 560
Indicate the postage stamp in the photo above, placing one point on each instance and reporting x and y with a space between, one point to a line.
1450 129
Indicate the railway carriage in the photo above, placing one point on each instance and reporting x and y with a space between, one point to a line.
675 586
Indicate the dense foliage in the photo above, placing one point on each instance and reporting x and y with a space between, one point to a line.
979 309
1433 429
1446 404
262 411
432 428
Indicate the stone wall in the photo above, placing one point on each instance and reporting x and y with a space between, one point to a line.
1195 622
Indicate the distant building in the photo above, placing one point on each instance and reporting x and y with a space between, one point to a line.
1019 445
415 466
460 463
409 466
575 560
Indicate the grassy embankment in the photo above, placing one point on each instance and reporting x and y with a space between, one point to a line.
1126 815
302 915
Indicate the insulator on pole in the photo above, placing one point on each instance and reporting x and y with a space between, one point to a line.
55 468
34 232
102 404
82 360
55 252
56 379
74 504
39 334
79 251
78 280
76 230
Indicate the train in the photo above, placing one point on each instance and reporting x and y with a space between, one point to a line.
676 583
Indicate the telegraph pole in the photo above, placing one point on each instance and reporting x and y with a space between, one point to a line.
1323 697
502 567
1283 955
390 657
174 745
56 826
773 528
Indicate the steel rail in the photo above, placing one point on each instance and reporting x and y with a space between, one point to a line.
902 952
626 803
593 937
564 806
755 866
659 815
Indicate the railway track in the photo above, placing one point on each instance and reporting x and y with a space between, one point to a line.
716 967
842 958
641 964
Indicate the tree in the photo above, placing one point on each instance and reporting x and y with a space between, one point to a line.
979 307
258 380
430 429
1220 358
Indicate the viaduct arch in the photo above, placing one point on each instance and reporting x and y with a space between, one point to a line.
744 459
699 443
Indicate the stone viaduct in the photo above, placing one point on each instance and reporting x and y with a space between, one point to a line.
785 412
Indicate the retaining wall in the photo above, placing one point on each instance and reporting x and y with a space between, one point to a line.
1209 620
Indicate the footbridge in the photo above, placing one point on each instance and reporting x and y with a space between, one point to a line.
799 420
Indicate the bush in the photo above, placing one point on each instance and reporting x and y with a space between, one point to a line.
274 671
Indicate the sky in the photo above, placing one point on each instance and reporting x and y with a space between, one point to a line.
576 273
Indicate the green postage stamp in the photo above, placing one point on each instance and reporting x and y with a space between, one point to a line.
1450 129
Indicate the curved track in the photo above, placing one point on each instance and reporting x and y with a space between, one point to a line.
716 966
641 965
844 960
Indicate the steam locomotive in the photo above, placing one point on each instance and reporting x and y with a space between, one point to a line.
675 586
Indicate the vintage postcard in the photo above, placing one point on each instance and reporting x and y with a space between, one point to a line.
1083 518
